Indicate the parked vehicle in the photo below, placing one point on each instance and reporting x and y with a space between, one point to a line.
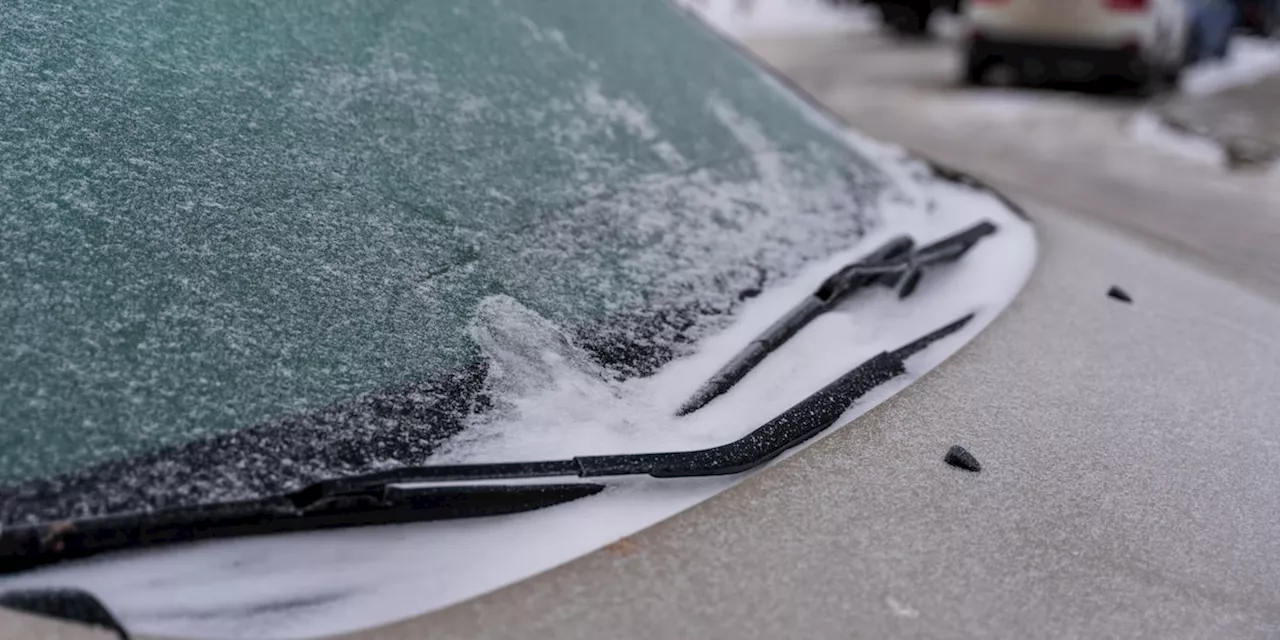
1141 42
912 17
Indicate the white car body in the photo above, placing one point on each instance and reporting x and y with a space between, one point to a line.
1151 32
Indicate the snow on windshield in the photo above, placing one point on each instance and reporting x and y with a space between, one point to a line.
245 246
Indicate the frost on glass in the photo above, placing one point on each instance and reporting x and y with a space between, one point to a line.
244 245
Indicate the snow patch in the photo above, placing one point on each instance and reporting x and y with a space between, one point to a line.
1151 131
548 34
1006 105
759 18
541 383
1250 60
749 134
634 117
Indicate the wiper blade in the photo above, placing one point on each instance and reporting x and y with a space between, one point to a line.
895 264
414 494
29 546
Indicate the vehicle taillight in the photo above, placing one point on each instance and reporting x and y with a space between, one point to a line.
1128 5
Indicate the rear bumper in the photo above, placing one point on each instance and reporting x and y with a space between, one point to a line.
1058 60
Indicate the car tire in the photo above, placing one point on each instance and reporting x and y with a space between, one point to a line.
1147 84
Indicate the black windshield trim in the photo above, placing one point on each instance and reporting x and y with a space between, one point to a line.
384 498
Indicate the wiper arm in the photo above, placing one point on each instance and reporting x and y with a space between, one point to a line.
894 264
414 494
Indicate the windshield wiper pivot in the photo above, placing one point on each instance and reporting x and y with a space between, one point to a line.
896 263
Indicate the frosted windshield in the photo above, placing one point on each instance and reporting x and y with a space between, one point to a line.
244 245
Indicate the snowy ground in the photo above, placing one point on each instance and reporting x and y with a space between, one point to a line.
1151 131
1107 157
1250 60
763 18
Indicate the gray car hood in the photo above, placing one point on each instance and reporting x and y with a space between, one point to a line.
1128 488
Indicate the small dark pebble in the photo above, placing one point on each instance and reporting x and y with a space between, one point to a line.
1119 294
958 456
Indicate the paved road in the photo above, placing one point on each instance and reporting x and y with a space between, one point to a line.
1070 150
1246 118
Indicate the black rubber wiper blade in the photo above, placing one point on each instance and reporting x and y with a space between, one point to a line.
814 413
28 546
415 494
835 288
894 264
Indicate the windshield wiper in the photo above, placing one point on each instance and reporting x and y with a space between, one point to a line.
414 494
895 264
28 546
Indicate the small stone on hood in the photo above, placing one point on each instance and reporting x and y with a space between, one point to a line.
1119 294
958 456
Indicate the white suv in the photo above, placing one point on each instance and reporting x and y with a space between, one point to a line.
1142 42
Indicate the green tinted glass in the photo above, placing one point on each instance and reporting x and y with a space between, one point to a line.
214 213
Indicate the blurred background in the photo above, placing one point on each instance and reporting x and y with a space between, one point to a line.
1161 116
1222 107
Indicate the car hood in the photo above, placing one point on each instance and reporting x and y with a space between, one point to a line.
1127 487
